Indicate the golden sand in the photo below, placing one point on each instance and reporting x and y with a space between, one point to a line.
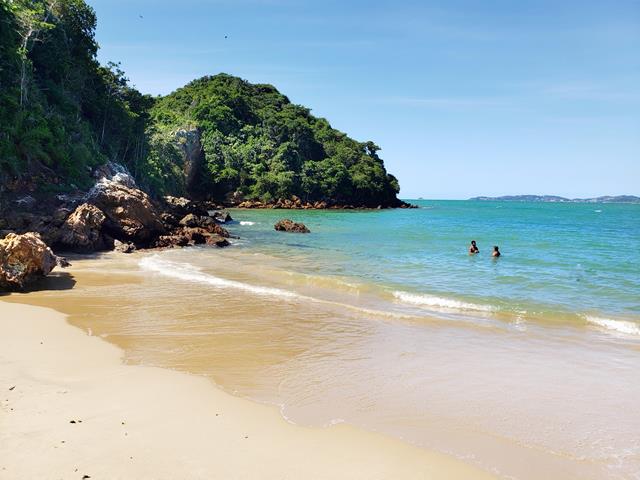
70 408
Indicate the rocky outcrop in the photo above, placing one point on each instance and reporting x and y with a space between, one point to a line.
195 230
287 225
187 236
115 215
82 231
206 223
294 203
23 259
131 216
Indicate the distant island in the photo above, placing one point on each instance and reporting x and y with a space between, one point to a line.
557 199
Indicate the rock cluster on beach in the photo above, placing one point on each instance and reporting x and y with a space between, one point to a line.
116 214
113 215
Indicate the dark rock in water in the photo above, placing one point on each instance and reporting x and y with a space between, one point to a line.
82 230
131 216
124 247
287 225
23 259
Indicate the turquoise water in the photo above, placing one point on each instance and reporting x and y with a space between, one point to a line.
564 262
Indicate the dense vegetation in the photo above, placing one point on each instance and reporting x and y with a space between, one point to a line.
256 141
62 113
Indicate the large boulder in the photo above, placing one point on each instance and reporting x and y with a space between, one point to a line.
82 230
287 225
23 259
131 215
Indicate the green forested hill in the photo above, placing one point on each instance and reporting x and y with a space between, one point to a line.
256 141
62 113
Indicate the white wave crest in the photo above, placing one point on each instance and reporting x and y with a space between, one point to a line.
190 273
621 326
247 223
439 302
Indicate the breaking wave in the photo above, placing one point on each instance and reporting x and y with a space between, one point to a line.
439 302
620 326
191 273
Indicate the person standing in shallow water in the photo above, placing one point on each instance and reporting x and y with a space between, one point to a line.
473 248
496 252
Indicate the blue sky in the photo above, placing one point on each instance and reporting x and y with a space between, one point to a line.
465 97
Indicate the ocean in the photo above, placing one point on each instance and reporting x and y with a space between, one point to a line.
569 262
526 365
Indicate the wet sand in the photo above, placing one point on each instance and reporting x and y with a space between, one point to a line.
70 408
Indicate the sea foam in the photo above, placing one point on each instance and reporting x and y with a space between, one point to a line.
439 302
191 273
620 326
247 223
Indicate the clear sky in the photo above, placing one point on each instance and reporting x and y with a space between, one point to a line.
465 97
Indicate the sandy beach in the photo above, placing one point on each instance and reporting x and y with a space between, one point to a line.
72 409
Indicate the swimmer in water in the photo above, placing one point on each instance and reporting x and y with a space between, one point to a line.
473 248
496 252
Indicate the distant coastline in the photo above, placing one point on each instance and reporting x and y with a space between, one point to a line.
557 199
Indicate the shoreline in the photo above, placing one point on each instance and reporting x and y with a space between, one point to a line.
147 422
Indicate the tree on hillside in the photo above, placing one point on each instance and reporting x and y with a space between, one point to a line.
32 18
